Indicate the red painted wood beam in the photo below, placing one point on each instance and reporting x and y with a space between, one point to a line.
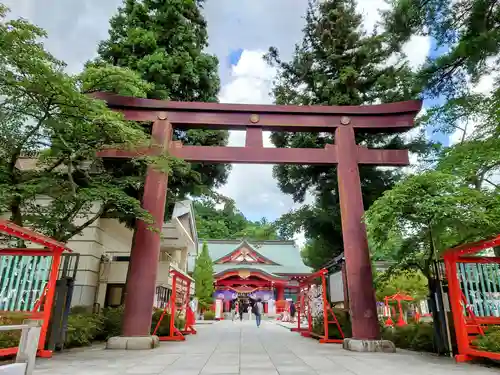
266 155
253 155
11 229
25 251
393 117
383 157
243 282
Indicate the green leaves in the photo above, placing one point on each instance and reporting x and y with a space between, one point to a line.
426 214
229 223
51 131
163 43
412 283
470 27
203 275
109 78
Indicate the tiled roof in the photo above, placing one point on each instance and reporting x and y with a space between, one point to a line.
284 253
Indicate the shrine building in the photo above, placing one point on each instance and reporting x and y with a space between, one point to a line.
264 269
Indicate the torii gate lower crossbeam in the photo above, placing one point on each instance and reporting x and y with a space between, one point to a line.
343 121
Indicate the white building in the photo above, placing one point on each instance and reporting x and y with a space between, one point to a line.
104 250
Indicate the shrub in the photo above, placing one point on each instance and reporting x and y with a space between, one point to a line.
415 336
10 339
490 342
423 341
83 329
209 315
164 329
333 331
81 310
403 336
112 322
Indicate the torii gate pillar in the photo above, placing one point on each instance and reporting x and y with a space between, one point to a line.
362 303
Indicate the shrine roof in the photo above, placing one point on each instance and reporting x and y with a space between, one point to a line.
285 255
238 267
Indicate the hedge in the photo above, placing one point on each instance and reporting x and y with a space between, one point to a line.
85 327
414 336
209 315
333 331
164 328
490 342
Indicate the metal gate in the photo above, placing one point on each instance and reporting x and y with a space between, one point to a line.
62 301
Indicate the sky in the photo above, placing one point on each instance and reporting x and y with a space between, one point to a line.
239 33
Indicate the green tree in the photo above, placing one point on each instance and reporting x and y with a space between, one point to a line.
229 223
336 64
46 116
468 31
261 230
163 41
424 215
409 282
203 275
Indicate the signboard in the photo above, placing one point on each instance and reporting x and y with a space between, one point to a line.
218 309
22 279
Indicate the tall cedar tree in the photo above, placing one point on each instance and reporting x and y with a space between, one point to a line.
203 275
163 40
336 64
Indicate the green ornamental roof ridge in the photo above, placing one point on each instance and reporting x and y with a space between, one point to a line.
285 254
256 250
284 242
259 269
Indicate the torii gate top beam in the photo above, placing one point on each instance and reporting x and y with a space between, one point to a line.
381 118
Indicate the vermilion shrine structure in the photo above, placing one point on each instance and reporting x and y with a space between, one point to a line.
343 121
474 291
29 257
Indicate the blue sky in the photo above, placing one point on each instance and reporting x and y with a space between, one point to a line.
435 52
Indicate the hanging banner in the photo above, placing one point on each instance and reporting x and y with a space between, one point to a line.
218 309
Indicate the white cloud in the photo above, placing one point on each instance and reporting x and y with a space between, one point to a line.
416 49
253 187
484 86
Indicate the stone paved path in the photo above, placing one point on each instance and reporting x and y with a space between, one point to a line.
240 348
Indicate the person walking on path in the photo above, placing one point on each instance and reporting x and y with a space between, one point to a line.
293 310
258 310
234 309
241 308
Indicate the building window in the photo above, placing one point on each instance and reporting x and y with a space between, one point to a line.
121 258
115 295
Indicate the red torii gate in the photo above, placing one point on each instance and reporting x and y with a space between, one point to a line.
343 120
